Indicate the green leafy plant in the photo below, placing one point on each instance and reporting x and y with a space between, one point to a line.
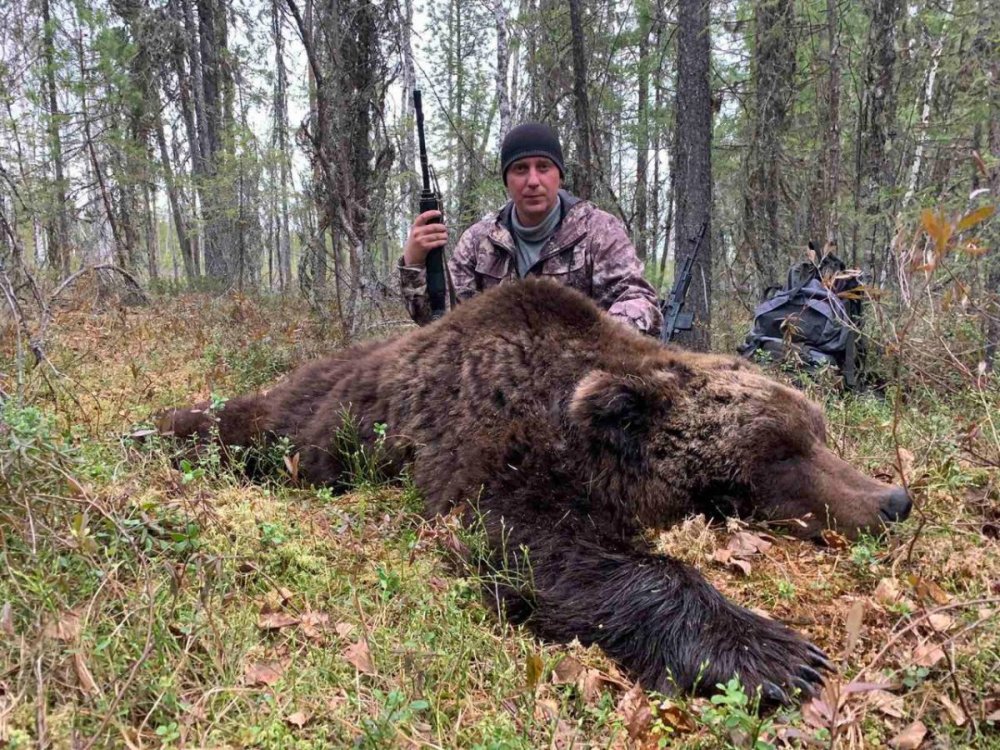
734 718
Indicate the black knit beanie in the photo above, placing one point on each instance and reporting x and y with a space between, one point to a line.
530 139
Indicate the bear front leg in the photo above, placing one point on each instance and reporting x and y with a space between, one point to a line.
657 617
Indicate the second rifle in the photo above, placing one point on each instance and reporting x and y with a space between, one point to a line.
674 319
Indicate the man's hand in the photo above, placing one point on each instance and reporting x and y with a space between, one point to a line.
424 237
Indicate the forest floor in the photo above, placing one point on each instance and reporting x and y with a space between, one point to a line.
148 605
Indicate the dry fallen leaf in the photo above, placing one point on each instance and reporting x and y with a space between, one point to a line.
344 629
727 558
633 707
927 655
954 710
276 621
292 465
299 718
83 674
7 619
910 738
855 618
357 654
746 544
313 624
275 599
929 590
888 591
640 721
568 670
817 713
67 628
834 540
589 684
887 703
263 673
941 622
672 715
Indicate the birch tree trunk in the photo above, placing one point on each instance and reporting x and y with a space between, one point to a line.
925 114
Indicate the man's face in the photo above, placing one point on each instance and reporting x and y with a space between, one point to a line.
533 185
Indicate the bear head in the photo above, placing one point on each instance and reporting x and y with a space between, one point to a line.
691 432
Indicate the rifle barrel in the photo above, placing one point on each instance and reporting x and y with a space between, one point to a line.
424 169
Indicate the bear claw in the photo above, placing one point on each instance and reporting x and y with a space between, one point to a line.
810 675
808 689
819 659
774 694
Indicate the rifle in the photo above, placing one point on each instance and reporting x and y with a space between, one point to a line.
430 200
673 319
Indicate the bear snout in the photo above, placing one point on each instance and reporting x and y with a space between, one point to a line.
896 506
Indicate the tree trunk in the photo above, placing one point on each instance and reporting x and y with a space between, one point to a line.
501 16
823 214
992 354
873 166
694 165
583 179
57 223
773 76
152 241
407 155
213 124
642 141
190 263
925 114
282 230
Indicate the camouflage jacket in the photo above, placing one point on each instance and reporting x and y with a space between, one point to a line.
590 251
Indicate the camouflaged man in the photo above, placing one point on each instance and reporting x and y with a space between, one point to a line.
542 231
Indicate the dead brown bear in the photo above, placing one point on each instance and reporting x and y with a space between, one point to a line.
570 435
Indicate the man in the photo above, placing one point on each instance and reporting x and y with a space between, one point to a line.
542 231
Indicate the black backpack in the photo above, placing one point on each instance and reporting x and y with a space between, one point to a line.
811 321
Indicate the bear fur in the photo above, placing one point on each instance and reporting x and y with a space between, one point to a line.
566 435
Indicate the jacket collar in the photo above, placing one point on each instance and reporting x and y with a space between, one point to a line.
567 234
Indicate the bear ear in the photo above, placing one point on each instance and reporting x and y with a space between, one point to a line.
620 409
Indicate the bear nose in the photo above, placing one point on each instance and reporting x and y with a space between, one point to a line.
896 506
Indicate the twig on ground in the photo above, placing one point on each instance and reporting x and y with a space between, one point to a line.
950 656
894 637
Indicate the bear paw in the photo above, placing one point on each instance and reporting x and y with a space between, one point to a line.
769 656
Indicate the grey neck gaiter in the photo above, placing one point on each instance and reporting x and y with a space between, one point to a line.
530 240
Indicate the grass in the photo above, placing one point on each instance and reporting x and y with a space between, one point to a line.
151 606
